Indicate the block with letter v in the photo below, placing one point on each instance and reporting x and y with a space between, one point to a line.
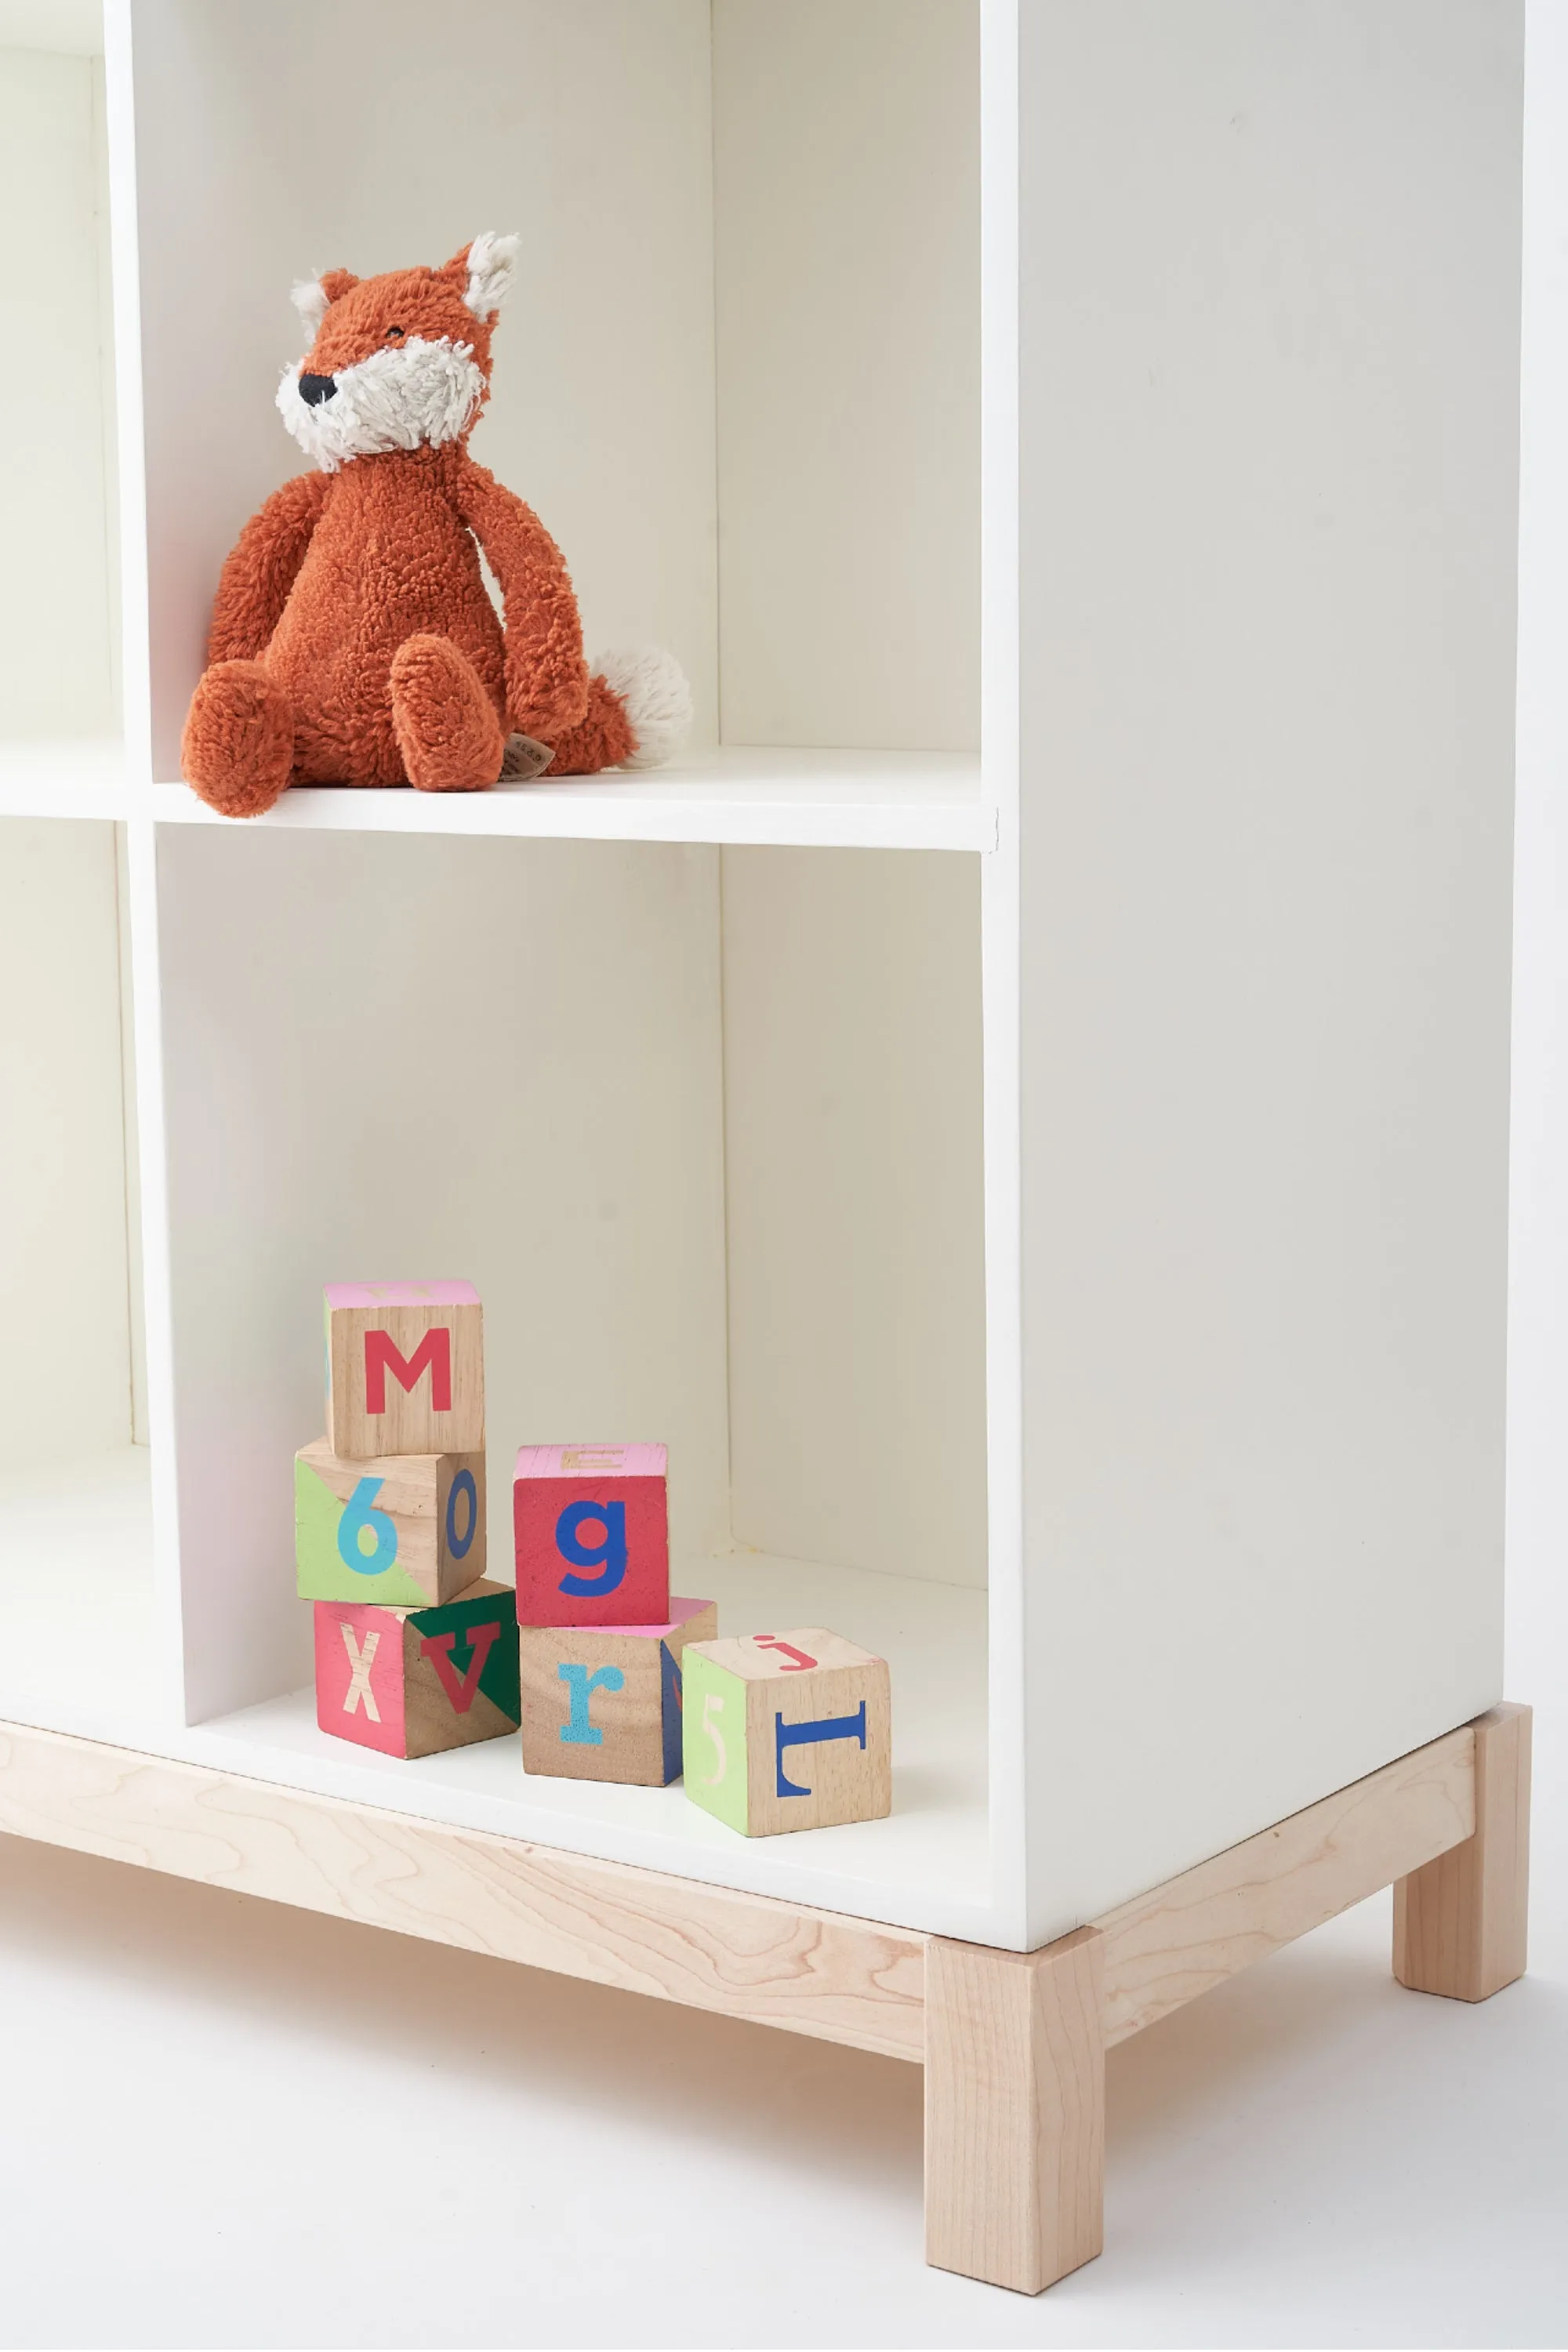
412 1682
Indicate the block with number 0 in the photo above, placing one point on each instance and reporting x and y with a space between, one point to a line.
401 1529
787 1731
591 1526
406 1371
414 1681
604 1701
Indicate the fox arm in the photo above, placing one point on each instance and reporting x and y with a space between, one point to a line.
546 676
254 585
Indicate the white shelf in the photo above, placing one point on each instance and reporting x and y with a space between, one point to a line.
805 799
78 1656
65 776
839 800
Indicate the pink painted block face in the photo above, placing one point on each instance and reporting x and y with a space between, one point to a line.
402 1294
592 1461
680 1613
359 1676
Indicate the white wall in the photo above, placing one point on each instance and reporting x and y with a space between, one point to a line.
847 181
853 1166
57 677
65 1369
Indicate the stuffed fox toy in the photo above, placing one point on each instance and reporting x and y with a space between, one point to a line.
352 640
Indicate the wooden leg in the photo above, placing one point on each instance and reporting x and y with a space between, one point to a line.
1015 2115
1459 1923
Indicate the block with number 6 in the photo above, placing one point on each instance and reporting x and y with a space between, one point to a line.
404 1530
787 1731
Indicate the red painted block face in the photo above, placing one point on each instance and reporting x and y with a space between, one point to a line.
359 1674
593 1534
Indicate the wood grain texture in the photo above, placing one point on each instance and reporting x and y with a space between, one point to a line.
1459 1923
745 1955
1015 2109
1166 1947
406 1420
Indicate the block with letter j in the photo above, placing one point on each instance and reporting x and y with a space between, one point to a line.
405 1371
591 1526
787 1731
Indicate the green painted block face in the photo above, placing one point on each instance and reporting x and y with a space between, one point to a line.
323 1571
713 1740
500 1678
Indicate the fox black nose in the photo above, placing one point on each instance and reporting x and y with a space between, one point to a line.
314 389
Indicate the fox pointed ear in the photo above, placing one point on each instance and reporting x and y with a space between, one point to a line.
313 296
487 267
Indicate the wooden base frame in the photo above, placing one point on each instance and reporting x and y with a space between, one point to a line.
1013 2042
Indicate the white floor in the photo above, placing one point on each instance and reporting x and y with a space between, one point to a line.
229 2124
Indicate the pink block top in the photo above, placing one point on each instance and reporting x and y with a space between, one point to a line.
680 1613
593 1462
402 1294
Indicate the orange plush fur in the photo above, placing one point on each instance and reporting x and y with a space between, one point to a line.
352 640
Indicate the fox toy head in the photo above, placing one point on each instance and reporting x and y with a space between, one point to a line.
399 361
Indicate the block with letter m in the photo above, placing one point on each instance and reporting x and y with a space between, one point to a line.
405 1368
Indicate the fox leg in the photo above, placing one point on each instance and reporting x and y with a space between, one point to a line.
447 729
238 749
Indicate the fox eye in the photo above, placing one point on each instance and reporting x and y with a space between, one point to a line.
391 331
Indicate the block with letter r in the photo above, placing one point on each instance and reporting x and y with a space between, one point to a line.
604 1701
591 1527
787 1731
414 1682
406 1369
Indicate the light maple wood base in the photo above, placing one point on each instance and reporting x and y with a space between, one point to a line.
1013 2042
1459 1923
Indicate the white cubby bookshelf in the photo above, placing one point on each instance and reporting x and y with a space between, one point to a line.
1020 1108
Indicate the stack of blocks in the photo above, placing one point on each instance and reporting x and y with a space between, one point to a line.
620 1682
416 1649
600 1641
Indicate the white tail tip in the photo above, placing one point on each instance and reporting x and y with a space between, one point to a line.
652 685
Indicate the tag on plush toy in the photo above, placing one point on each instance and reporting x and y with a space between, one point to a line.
523 758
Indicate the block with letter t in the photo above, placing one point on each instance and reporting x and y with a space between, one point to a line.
592 1526
787 1731
405 1529
406 1369
414 1681
603 1702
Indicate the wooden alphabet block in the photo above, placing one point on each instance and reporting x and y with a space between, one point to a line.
591 1526
603 1702
787 1731
412 1682
406 1369
402 1530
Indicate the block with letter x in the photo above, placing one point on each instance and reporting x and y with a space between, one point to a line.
403 1529
787 1731
603 1702
413 1682
406 1371
591 1526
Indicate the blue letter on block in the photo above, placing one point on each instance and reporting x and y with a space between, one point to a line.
463 1484
358 1513
611 1555
580 1732
804 1735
